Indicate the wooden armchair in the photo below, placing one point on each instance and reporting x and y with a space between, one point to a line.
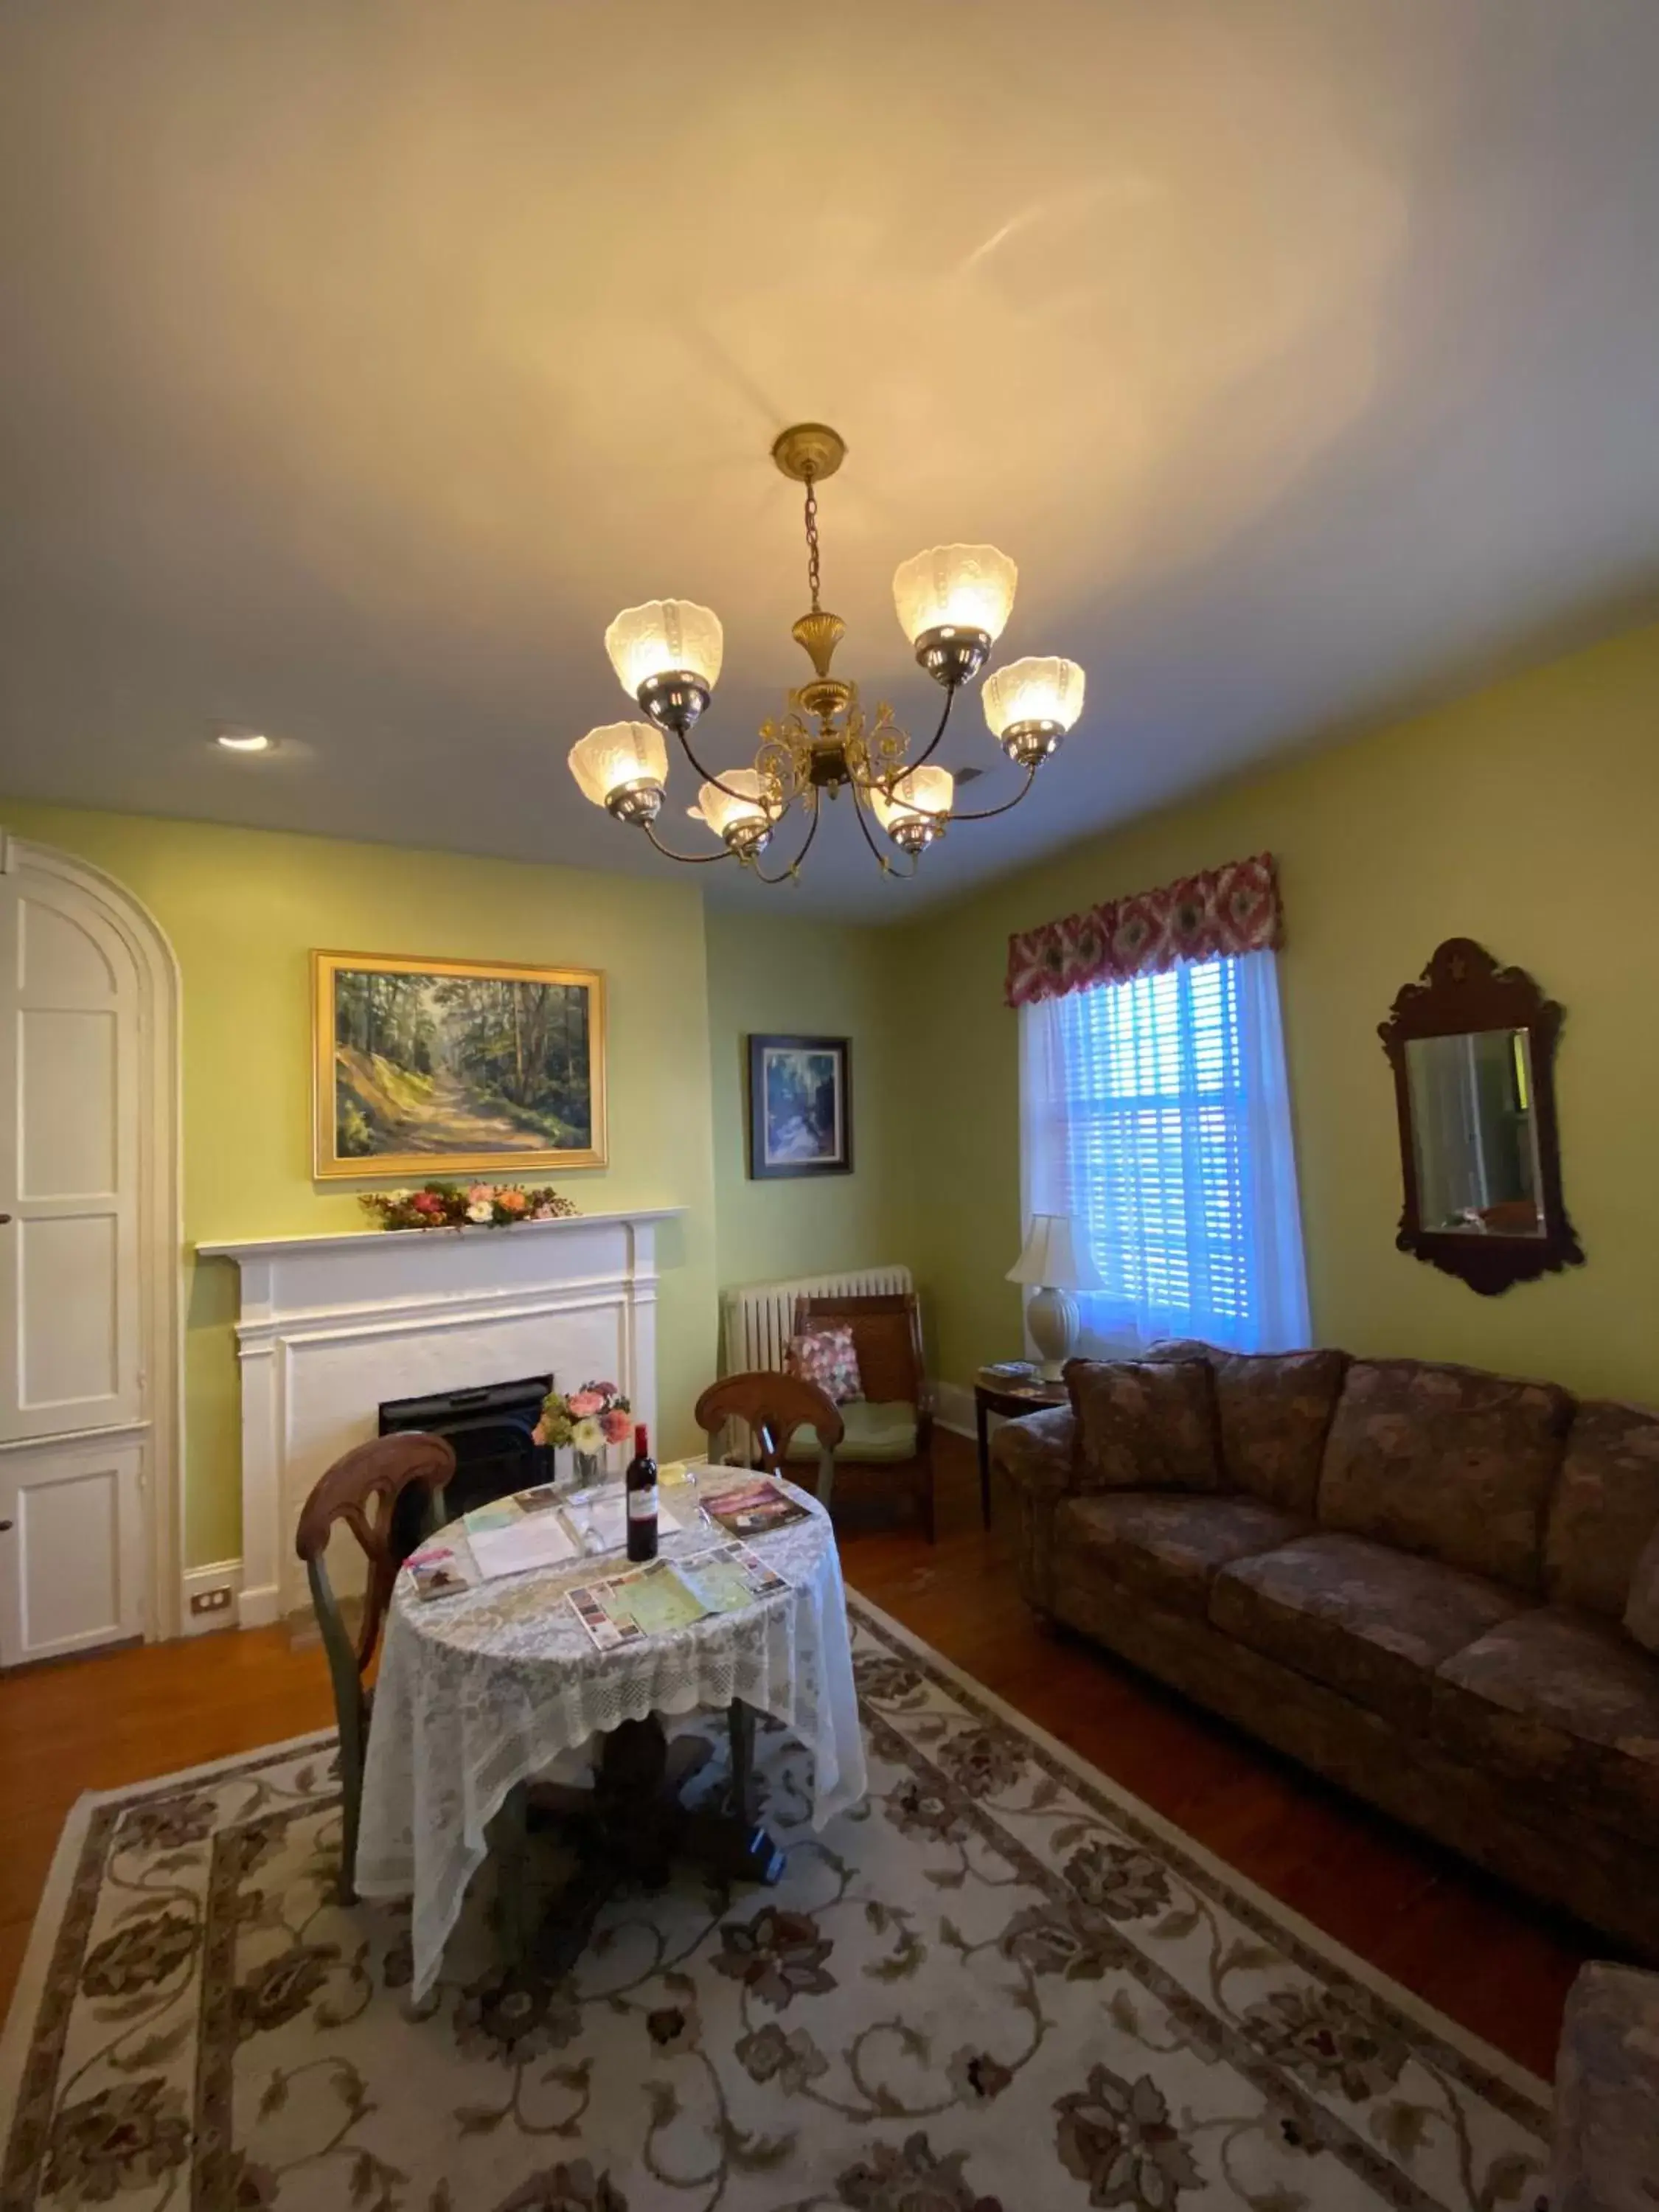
891 1428
773 1407
375 1490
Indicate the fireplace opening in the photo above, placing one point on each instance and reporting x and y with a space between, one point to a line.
490 1430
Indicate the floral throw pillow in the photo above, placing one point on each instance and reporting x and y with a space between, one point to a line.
827 1356
1144 1425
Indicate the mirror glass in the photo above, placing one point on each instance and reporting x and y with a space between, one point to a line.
1473 1134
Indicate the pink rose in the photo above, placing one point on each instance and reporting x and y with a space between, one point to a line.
583 1404
605 1390
511 1201
538 1434
480 1193
615 1426
427 1201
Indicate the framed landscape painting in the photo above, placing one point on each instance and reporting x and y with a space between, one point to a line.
800 1106
432 1067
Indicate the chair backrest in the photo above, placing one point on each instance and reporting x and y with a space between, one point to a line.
364 1490
774 1406
887 1337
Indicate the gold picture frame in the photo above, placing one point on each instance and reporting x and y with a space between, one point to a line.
516 1070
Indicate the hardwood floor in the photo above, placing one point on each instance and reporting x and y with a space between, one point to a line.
1494 1962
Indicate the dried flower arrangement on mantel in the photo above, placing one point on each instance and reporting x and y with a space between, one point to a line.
462 1205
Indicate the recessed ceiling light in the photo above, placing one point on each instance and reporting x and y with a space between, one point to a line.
243 741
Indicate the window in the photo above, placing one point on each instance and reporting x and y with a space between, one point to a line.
1155 1112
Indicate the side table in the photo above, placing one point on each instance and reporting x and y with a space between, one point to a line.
1009 1396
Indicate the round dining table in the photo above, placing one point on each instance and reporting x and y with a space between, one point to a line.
485 1690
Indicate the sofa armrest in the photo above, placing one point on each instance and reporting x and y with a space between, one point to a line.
1606 2089
1037 1452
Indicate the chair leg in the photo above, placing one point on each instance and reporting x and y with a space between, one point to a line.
741 1722
509 1847
351 1806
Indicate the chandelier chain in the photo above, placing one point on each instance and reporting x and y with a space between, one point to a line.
812 540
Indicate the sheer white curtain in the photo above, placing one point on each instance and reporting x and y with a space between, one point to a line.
1157 1113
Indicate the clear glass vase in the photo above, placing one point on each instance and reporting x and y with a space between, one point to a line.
586 1468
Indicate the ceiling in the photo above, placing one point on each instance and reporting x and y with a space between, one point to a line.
361 360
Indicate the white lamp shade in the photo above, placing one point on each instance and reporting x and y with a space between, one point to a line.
618 754
722 811
1036 691
662 637
927 791
1053 1259
954 587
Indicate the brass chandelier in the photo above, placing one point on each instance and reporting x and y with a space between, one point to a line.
953 602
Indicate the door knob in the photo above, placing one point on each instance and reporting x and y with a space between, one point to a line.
4 1218
5 1525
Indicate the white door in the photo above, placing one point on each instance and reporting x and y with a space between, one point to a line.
72 1565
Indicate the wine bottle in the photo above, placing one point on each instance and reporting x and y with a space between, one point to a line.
641 1498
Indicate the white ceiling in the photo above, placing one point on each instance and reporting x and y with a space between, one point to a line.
361 360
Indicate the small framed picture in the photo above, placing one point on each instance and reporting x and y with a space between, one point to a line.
800 1106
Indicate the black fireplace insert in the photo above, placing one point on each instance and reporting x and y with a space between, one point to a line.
491 1430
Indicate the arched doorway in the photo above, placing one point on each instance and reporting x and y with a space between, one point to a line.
91 1434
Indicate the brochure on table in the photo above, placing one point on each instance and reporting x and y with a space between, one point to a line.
670 1594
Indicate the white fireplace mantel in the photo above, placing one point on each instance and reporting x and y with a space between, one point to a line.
331 1327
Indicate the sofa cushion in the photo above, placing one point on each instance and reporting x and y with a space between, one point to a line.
1274 1410
1445 1460
1605 1508
1144 1425
1370 1622
1163 1548
1562 1701
1642 1613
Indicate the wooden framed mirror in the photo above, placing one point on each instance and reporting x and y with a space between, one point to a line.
1473 1049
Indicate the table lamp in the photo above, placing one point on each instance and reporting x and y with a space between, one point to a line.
1055 1264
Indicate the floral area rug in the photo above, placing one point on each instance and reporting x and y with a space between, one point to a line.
1000 1986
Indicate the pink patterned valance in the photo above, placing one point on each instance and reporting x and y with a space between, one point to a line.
1233 908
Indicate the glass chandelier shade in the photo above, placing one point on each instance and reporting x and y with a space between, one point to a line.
954 587
737 814
919 810
664 637
1047 692
618 759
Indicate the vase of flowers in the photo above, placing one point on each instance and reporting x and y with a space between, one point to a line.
587 1420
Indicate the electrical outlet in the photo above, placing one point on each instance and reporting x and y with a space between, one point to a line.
216 1599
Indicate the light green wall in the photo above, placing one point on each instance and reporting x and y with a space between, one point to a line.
1525 816
244 910
768 973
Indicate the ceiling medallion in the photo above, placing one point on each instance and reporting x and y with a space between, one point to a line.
953 602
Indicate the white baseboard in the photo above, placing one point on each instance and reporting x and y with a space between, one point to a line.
223 1574
954 1409
260 1608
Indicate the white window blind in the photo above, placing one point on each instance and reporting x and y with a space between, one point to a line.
1156 1113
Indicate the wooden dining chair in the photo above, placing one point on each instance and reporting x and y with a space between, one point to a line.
773 1407
387 1493
891 1427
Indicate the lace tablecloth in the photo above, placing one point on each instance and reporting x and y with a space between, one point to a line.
481 1691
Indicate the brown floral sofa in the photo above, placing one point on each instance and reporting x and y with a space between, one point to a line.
1413 1578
